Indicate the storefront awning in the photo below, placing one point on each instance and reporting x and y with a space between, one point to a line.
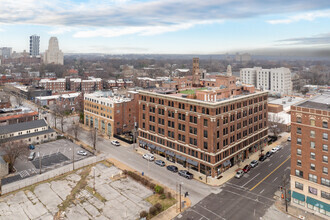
226 163
151 146
142 142
319 204
170 153
160 149
298 196
180 157
192 162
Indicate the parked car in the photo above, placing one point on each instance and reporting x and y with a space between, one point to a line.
278 147
160 163
262 157
239 174
172 168
289 139
247 168
186 174
82 153
32 155
149 157
274 150
269 153
254 163
116 143
31 147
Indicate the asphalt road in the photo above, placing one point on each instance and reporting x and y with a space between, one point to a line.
248 197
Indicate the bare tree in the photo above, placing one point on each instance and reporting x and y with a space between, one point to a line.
93 135
75 128
275 123
13 150
59 113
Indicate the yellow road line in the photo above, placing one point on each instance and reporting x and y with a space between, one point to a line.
270 173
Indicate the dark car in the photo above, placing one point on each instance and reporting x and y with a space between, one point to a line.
247 168
186 174
31 147
160 163
172 168
269 153
262 157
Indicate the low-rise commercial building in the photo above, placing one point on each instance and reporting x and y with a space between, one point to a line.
309 179
32 132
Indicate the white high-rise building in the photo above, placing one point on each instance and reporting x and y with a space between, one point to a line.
276 80
53 54
34 45
5 52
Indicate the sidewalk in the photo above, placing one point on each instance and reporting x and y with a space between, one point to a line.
228 174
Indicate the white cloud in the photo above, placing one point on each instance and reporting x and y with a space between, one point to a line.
61 30
310 16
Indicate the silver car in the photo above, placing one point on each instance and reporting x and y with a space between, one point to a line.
239 174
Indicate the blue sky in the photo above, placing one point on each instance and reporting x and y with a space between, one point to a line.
166 26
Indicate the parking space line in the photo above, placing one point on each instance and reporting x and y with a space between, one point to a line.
200 214
211 212
262 191
281 156
270 164
275 179
251 179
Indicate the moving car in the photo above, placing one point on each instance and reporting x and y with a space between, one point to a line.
289 139
254 163
172 168
31 147
82 153
32 155
116 143
160 163
186 174
269 153
262 157
149 157
247 168
239 174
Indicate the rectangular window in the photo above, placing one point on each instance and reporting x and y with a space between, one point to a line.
298 162
299 185
312 166
325 182
299 141
298 151
324 124
312 155
325 136
298 120
325 195
312 178
205 145
299 173
325 147
205 133
312 190
205 122
312 122
325 159
325 170
312 134
298 130
312 145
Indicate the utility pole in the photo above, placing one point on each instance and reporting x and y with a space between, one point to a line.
94 180
73 157
285 196
39 160
180 195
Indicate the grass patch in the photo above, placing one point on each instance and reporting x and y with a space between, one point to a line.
166 203
191 91
96 194
80 185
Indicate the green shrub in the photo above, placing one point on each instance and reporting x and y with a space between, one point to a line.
152 185
159 189
143 214
169 195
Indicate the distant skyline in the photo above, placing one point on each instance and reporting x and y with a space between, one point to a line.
167 26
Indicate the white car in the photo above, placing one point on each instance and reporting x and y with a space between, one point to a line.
149 157
116 143
278 147
82 153
239 174
274 150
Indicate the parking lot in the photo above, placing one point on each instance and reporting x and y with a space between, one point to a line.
52 155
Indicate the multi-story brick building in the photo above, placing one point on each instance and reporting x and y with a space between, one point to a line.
310 181
56 85
111 114
206 131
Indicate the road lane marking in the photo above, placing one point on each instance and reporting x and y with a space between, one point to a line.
255 200
270 164
200 214
255 194
211 212
275 179
262 191
251 179
270 173
281 156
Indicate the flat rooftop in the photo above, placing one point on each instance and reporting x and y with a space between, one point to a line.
321 102
286 102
